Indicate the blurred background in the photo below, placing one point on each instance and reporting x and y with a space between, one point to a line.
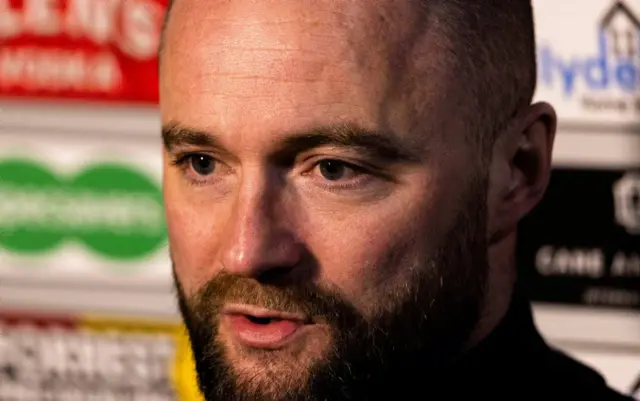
86 299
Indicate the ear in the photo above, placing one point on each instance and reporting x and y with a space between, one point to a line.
520 169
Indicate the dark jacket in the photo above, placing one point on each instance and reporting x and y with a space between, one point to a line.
515 363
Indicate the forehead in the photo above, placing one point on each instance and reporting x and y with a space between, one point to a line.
293 64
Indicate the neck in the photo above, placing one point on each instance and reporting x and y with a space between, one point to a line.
499 289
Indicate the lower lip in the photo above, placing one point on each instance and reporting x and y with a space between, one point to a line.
272 335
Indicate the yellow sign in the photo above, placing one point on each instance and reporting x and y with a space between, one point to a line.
185 378
182 367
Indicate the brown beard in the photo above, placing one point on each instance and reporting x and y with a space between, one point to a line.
407 345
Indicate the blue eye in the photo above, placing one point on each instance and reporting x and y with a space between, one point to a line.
202 164
333 170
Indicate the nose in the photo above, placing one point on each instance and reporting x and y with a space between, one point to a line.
260 242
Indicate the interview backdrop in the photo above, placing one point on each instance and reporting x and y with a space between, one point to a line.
83 249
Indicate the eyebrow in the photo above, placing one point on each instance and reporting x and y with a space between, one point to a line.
385 146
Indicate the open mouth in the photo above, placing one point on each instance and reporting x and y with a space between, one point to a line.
260 320
262 330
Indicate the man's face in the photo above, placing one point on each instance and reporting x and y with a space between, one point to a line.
326 218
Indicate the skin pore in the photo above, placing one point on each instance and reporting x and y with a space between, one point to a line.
318 163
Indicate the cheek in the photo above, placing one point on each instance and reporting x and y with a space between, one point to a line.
192 239
368 254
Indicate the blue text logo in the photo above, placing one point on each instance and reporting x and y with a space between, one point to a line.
615 66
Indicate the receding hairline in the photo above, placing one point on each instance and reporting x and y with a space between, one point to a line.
163 30
492 53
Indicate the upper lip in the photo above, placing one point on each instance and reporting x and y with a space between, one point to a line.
256 311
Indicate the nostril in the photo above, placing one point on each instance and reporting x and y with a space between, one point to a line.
275 275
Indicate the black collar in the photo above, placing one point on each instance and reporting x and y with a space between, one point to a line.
514 340
514 362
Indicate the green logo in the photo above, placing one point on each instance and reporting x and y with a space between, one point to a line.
111 209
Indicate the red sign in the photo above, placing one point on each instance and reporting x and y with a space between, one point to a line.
80 49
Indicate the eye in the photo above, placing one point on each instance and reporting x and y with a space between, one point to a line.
202 164
334 170
335 175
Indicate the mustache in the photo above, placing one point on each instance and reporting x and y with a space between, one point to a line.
307 299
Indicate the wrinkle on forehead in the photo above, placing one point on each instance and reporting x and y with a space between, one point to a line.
391 48
388 30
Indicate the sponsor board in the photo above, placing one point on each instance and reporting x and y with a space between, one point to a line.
75 210
82 358
81 213
591 72
582 244
113 210
102 50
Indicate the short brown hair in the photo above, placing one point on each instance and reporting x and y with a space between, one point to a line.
494 41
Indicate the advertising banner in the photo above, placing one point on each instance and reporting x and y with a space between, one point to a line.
81 208
591 71
88 358
103 50
112 209
582 244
